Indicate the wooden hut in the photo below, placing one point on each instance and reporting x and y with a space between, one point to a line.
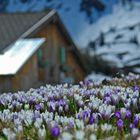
59 57
18 65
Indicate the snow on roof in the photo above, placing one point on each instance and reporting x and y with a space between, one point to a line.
17 54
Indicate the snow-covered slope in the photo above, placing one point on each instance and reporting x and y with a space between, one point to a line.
121 38
119 19
97 77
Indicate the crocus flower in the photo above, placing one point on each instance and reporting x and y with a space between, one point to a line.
71 124
38 123
79 135
36 115
66 108
128 114
55 131
115 98
132 125
120 124
118 114
134 133
106 127
67 136
136 120
26 106
85 114
107 99
61 102
38 107
60 109
93 137
42 134
135 103
136 88
91 120
123 112
87 82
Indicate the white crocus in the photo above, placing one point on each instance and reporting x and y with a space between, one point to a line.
26 106
79 135
42 133
106 127
9 134
79 124
93 137
123 112
92 127
66 136
134 132
17 121
115 98
20 129
38 123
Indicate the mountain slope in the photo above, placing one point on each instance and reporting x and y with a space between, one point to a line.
117 39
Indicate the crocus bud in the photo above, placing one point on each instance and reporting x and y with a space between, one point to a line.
26 106
128 114
123 112
60 109
66 108
120 124
118 114
41 134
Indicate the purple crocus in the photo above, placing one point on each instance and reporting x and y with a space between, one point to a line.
85 114
38 107
87 82
79 116
61 102
36 115
31 101
55 131
135 103
136 88
118 114
91 120
136 120
120 124
107 99
71 124
128 114
132 126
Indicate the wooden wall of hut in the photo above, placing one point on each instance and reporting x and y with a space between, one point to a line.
56 39
24 79
77 71
27 76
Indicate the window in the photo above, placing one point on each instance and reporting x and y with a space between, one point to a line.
42 62
62 56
